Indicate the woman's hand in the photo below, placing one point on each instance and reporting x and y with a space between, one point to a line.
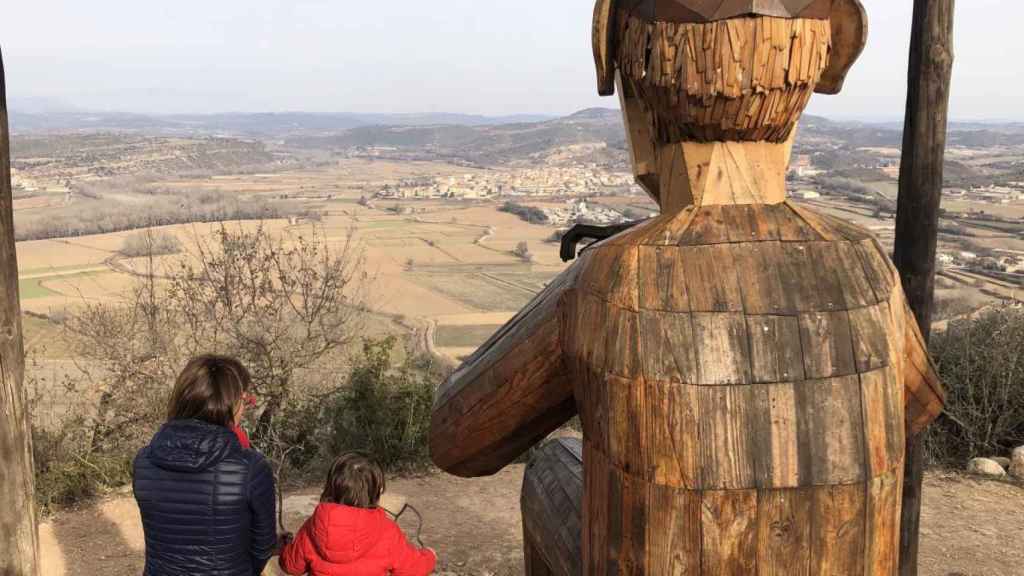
282 541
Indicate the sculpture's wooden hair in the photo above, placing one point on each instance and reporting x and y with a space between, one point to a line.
745 79
847 19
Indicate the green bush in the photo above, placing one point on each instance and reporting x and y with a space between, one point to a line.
981 364
67 471
384 410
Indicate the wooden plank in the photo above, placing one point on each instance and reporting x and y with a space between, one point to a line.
662 283
793 228
876 269
708 227
668 348
672 435
729 537
711 277
622 355
726 443
857 289
838 529
827 344
747 223
847 230
722 350
673 532
811 218
884 428
611 274
634 521
522 326
596 510
591 390
535 564
882 530
628 415
618 556
799 280
551 505
520 399
585 319
870 330
776 439
826 266
830 429
784 532
775 351
761 286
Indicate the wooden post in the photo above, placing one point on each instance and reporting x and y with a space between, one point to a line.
917 220
18 536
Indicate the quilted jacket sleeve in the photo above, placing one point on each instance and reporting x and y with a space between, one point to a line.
263 508
408 560
293 556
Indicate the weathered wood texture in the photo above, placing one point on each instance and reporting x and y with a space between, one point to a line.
741 79
921 177
18 537
552 502
735 364
744 369
508 395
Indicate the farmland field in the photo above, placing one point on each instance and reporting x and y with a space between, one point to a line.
445 261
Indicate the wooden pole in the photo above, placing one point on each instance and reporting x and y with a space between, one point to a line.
917 219
19 547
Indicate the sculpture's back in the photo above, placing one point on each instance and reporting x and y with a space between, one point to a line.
744 368
740 378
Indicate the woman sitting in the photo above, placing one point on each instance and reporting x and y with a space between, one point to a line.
207 504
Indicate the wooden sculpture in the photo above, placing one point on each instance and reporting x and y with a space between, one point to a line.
745 369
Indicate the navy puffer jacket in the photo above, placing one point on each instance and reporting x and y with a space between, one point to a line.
207 505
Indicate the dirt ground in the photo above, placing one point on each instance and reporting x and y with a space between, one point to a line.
971 527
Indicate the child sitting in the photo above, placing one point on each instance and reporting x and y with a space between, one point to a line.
349 535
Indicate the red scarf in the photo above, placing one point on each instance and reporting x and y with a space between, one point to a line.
243 438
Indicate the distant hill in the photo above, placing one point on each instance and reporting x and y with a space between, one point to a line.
596 134
35 116
484 144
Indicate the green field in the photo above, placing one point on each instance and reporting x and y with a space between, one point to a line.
33 288
464 336
474 290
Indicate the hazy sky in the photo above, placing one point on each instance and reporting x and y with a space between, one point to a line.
473 56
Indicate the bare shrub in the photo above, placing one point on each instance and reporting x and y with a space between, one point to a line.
522 251
150 242
981 364
280 305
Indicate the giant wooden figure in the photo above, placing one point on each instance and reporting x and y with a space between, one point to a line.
745 369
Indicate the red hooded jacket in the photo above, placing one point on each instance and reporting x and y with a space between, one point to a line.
343 541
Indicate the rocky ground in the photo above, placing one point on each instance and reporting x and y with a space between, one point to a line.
971 527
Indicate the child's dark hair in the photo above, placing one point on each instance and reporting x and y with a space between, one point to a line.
354 480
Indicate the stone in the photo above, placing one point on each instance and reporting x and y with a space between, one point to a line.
1017 463
986 467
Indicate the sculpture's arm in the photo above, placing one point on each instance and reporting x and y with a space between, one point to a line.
508 395
925 397
580 232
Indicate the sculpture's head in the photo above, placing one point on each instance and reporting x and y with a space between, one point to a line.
720 70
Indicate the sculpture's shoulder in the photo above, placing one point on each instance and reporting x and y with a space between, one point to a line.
757 259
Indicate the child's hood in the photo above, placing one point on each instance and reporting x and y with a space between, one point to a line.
343 534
